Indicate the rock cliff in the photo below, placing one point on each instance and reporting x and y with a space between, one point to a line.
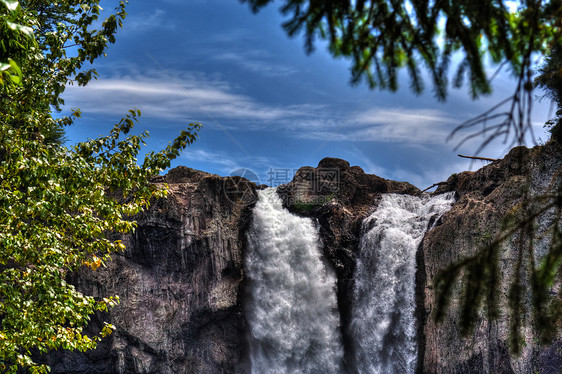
181 278
485 199
179 283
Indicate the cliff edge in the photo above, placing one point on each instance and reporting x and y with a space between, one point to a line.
181 279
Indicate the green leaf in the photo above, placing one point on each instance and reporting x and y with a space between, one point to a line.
21 28
11 5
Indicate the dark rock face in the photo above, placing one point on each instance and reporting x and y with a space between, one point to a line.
179 283
485 198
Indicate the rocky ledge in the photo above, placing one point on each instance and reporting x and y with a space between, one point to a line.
490 202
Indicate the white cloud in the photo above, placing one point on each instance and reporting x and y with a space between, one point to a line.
388 126
216 158
176 98
145 21
225 163
402 116
421 177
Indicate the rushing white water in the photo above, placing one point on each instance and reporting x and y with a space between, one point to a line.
383 324
292 309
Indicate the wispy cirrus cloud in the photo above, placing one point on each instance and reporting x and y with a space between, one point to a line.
219 159
422 177
174 98
225 163
195 97
390 125
147 21
403 116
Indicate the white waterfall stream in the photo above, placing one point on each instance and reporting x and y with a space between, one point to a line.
293 321
292 308
383 322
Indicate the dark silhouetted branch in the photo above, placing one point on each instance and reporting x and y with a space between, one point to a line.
435 185
477 158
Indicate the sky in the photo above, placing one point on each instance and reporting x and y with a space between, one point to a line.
265 105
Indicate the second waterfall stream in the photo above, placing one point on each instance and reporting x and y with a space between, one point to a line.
291 308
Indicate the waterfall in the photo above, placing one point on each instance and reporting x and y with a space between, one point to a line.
291 307
383 322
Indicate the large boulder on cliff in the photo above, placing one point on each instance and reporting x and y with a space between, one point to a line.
339 196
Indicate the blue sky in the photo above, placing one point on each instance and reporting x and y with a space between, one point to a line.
264 104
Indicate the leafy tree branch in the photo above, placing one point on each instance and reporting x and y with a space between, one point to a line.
58 205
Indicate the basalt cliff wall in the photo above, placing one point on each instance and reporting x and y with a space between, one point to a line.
181 278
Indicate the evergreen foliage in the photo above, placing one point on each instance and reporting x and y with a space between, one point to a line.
380 37
550 79
384 37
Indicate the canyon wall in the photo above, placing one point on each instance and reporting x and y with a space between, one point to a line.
181 279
